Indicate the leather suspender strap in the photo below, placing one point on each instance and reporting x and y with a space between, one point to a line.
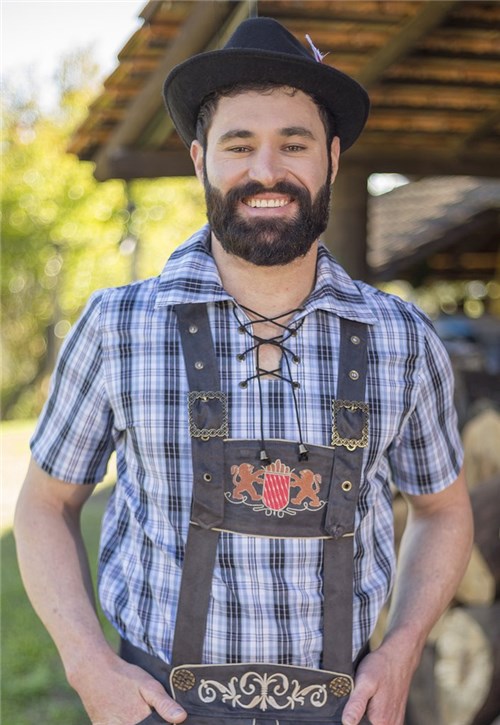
194 595
350 437
207 413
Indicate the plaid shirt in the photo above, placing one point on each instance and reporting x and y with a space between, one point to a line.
120 384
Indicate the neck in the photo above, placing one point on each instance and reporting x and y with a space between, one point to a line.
267 290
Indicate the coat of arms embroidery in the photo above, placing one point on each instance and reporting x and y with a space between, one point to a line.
275 489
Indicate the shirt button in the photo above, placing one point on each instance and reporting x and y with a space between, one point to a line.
199 365
355 340
193 329
354 375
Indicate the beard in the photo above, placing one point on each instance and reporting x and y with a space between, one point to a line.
267 242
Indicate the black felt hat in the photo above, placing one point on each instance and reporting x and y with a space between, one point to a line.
262 50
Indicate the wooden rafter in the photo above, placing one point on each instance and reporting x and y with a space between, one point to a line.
404 39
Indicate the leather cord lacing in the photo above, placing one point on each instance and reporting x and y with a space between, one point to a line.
279 340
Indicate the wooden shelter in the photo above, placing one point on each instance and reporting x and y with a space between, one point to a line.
436 228
431 67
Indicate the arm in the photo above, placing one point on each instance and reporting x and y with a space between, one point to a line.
434 553
54 566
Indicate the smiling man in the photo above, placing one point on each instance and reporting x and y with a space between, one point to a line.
261 403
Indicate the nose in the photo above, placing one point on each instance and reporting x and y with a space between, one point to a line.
266 167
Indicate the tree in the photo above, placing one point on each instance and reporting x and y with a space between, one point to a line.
63 232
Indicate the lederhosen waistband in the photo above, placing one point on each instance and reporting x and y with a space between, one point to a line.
254 693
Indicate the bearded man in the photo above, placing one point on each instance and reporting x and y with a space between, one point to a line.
261 403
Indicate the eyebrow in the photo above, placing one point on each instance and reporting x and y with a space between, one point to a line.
286 132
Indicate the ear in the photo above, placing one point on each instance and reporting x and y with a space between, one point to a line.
335 156
196 152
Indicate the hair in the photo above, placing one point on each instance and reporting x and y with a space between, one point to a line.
210 103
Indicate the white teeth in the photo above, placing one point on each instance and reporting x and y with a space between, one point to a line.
266 203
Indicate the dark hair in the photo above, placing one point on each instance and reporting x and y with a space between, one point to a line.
209 106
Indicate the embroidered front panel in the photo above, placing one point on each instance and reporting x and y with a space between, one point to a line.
252 689
285 497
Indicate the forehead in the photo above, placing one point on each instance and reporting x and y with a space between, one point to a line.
266 110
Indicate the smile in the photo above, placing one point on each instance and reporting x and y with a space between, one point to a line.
256 203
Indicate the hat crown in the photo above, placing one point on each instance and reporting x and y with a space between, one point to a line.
266 34
260 50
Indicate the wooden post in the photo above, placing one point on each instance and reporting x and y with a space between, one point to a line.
346 233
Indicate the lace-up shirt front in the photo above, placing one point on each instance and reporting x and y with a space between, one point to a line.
120 384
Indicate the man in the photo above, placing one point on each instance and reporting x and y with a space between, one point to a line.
260 403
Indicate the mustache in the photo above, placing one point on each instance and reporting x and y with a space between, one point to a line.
252 188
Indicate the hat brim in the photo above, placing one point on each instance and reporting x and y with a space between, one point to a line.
191 81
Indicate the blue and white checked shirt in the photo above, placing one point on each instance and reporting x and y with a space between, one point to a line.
120 384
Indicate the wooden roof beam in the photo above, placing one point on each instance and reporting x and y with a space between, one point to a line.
160 125
385 158
203 22
487 123
405 38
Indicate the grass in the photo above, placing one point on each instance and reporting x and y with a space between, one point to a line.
34 689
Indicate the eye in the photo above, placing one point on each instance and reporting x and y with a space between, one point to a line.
239 149
294 148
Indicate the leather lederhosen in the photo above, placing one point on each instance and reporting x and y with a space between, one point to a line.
281 497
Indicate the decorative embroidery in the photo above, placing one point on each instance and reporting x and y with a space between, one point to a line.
268 489
275 691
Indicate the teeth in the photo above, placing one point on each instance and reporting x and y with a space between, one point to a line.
266 203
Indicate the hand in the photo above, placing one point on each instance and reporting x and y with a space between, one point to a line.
123 694
381 689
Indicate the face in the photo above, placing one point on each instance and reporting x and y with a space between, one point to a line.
267 174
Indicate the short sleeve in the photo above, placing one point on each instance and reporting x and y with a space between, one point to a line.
73 439
427 455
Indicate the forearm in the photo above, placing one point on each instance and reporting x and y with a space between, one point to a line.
55 571
434 553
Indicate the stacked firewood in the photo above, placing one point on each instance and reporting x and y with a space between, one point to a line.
458 680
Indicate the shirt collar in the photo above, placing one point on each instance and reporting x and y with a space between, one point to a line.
337 293
191 276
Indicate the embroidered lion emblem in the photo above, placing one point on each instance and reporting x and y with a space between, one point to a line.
270 488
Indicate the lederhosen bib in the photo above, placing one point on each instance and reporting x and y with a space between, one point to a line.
234 490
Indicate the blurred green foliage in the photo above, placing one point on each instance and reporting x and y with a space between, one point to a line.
64 234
